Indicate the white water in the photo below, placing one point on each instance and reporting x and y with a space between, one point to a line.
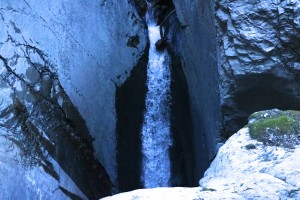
156 138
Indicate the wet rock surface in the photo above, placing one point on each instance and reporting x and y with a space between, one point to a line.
259 58
21 182
38 118
58 58
130 108
190 32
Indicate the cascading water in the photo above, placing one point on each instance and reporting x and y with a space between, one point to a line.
156 136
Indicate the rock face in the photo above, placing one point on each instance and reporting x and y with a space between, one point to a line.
29 183
54 57
190 31
39 120
244 168
130 108
259 58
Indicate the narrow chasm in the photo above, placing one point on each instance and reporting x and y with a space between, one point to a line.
130 109
181 152
130 106
186 144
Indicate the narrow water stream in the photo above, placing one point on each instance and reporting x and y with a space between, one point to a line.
156 136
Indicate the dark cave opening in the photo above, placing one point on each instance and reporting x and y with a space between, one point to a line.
258 92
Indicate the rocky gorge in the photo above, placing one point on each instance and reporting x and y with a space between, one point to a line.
74 86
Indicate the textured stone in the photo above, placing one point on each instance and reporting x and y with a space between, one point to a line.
177 193
39 122
191 33
18 182
55 56
259 51
260 172
84 41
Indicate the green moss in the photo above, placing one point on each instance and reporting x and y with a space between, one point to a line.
283 124
275 127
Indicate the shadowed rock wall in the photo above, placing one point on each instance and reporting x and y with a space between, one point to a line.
91 45
43 128
192 35
130 108
259 58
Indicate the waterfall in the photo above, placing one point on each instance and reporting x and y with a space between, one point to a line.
156 136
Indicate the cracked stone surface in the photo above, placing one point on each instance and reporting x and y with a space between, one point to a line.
81 43
42 131
55 58
260 172
259 57
31 183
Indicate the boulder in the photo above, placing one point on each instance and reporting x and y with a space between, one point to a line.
254 170
160 45
245 167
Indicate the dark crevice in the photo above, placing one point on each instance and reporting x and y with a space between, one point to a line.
181 152
256 92
130 107
141 6
201 112
69 194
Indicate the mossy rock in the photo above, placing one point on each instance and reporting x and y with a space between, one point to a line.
275 127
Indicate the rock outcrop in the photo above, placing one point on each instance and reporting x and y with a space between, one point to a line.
253 170
244 168
57 58
259 58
